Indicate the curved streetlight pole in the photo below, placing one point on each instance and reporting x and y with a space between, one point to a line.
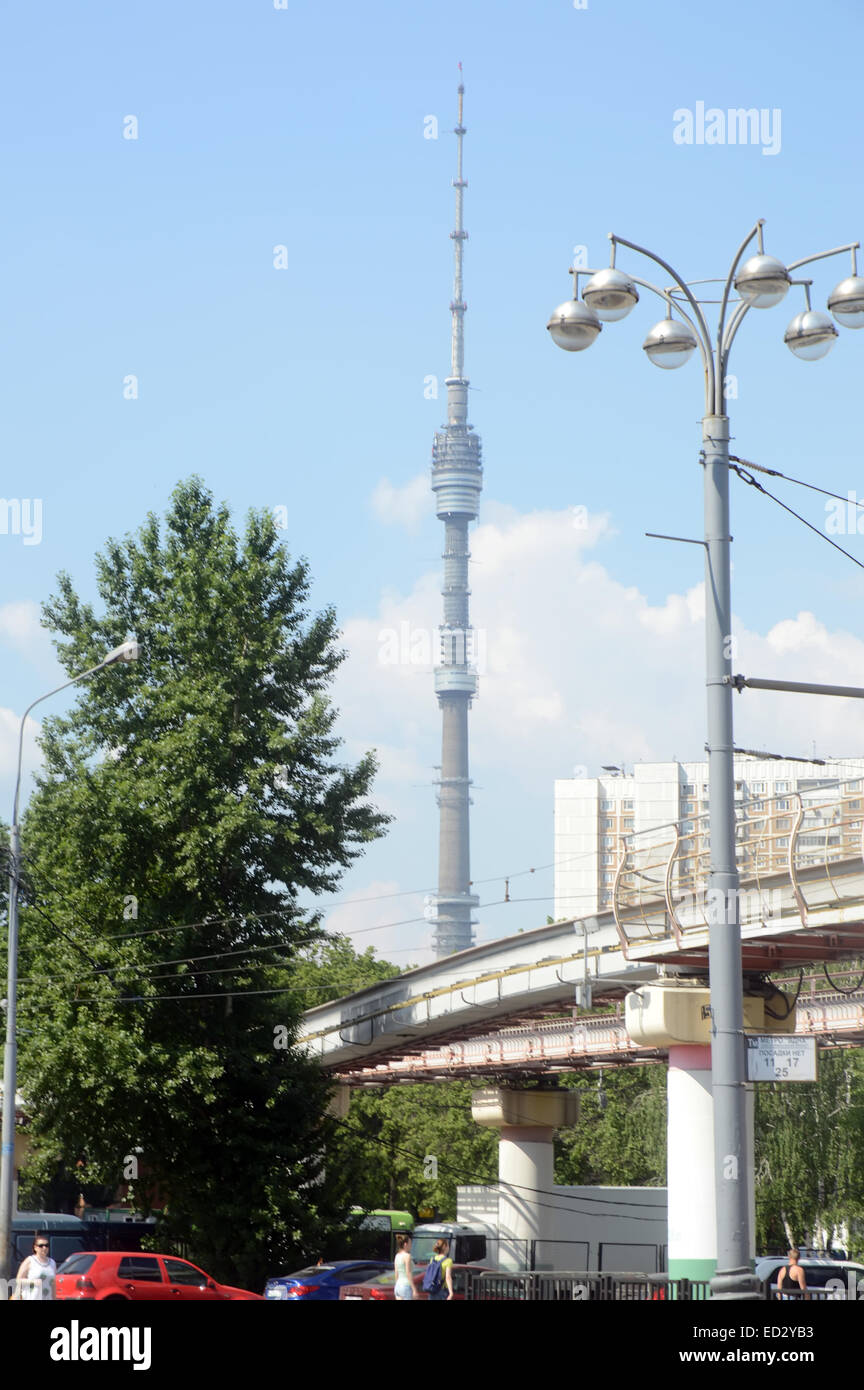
127 651
762 282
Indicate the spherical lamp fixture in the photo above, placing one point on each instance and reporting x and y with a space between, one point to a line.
574 326
810 335
846 302
763 281
670 344
611 294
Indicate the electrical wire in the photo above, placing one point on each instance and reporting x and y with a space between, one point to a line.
751 481
841 989
790 1003
522 1187
775 473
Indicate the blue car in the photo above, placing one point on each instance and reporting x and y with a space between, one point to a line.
324 1281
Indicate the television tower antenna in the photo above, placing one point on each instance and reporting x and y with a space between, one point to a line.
457 480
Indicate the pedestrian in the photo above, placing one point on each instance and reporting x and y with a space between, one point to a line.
36 1274
404 1267
438 1275
792 1281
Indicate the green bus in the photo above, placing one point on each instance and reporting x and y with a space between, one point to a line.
372 1234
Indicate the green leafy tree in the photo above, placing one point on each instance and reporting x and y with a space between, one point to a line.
330 969
620 1139
406 1147
187 804
412 1146
810 1155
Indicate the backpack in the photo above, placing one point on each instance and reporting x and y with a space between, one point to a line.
433 1275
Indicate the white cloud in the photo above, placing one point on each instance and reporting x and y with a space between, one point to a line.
20 626
403 506
581 670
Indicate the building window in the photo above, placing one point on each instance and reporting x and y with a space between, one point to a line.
689 789
687 827
781 787
609 823
688 809
607 841
757 788
608 859
607 805
627 805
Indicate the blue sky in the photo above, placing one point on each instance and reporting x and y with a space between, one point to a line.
303 127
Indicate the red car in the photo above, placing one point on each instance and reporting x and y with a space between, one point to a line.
138 1276
383 1288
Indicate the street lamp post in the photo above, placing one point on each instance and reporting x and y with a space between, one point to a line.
127 651
761 282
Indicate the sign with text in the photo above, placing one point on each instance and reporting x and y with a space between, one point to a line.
779 1057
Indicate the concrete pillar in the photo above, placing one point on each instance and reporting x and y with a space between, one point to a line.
339 1102
527 1121
692 1250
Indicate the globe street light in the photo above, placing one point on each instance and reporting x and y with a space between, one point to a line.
611 294
761 281
846 301
574 326
127 651
670 343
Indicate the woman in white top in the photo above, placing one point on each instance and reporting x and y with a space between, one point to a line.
404 1269
37 1272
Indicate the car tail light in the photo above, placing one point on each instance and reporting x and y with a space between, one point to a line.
86 1285
297 1290
379 1293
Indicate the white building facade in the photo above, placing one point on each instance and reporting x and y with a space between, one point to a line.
592 814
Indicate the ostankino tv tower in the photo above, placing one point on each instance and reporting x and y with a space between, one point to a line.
457 479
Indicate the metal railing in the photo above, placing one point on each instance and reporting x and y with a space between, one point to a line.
796 853
570 1287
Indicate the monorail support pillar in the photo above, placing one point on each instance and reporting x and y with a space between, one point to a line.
526 1121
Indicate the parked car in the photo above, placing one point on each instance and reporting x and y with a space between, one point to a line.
383 1288
325 1281
817 1272
138 1276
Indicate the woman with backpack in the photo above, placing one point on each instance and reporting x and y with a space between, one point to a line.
438 1275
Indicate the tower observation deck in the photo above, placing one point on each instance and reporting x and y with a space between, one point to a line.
457 480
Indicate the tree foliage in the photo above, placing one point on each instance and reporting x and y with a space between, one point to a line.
810 1155
414 1145
620 1139
187 803
330 968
